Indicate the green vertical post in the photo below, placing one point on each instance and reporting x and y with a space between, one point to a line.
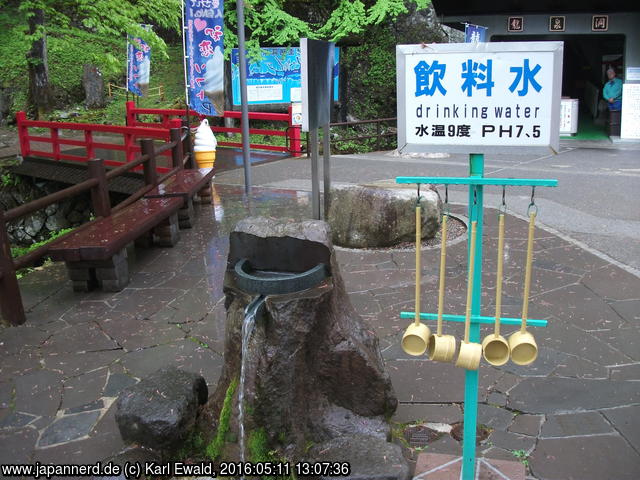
476 169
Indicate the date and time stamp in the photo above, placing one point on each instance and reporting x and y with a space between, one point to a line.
145 470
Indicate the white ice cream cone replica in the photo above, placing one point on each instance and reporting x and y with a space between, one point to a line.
205 145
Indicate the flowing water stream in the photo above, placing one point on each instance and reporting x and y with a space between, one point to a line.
247 328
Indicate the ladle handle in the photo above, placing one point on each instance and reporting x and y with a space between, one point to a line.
499 273
418 267
527 273
472 258
443 259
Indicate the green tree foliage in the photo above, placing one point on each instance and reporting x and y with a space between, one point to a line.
284 22
78 32
94 32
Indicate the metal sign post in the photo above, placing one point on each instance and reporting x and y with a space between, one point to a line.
246 153
316 61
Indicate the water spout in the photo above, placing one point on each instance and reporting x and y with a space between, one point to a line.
250 314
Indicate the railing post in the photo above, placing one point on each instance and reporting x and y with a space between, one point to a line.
150 172
128 147
378 136
177 155
131 114
23 134
99 193
88 139
55 144
187 147
10 298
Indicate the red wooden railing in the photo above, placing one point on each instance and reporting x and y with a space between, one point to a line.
130 135
290 132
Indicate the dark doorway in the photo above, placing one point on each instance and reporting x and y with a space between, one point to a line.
586 58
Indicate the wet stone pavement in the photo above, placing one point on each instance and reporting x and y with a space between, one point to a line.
573 414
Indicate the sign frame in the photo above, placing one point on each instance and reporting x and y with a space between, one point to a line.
562 22
404 51
513 29
594 23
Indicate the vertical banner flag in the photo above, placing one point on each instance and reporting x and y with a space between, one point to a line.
474 33
138 64
204 49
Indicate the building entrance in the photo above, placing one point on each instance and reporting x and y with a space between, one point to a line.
586 59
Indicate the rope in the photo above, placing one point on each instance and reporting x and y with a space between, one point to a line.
499 274
527 274
418 267
443 259
472 258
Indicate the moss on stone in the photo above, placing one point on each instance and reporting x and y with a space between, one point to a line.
215 447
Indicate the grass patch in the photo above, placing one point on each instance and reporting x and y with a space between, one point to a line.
521 455
20 251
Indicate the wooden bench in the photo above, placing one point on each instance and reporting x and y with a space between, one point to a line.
96 256
186 184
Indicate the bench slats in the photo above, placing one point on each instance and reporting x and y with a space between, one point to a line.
184 183
108 236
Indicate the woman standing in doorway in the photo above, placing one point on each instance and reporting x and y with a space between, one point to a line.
612 91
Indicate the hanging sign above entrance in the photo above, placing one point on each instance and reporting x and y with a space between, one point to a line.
479 98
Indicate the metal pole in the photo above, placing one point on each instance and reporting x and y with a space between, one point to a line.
326 168
315 177
476 169
184 69
243 97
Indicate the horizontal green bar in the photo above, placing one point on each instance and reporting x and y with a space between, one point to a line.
518 182
474 319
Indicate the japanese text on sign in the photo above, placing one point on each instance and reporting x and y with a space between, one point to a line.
457 97
205 51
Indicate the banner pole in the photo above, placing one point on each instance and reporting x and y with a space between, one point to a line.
184 68
243 97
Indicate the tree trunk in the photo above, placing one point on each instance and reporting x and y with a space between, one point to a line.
39 88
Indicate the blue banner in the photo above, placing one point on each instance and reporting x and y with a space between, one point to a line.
474 33
276 77
138 65
205 51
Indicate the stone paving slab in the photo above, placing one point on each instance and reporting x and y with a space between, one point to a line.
626 420
575 408
579 458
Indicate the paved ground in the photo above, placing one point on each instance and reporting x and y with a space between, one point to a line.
574 414
596 203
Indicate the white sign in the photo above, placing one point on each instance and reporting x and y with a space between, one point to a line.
568 116
260 93
630 128
632 75
296 113
478 98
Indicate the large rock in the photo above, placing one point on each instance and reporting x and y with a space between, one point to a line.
93 84
369 458
160 411
314 368
371 216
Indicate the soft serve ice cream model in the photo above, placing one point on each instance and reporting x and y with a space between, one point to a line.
205 145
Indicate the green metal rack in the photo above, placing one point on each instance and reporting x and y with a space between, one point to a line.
476 182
